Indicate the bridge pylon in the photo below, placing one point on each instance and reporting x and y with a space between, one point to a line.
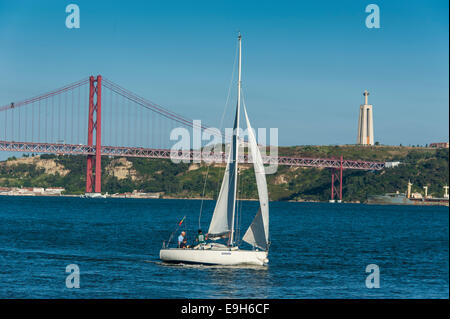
336 176
94 124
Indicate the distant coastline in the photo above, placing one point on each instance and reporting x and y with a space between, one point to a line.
208 199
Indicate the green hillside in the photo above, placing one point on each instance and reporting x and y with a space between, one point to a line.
422 166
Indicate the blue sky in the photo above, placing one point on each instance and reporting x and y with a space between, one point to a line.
305 63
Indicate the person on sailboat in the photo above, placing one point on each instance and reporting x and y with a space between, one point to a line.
182 240
200 237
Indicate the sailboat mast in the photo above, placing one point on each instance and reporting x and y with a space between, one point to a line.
239 85
236 144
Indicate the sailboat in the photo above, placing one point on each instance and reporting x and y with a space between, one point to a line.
224 217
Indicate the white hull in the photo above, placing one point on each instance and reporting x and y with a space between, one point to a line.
214 256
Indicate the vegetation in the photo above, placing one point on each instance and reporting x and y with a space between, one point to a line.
422 166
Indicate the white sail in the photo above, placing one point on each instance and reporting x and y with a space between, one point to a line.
221 220
223 216
258 232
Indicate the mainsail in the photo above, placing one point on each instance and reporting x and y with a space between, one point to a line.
258 232
221 220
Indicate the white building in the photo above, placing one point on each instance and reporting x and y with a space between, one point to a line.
391 164
54 190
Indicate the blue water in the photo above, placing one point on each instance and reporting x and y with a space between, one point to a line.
318 250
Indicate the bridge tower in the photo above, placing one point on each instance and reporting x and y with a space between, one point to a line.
94 124
336 176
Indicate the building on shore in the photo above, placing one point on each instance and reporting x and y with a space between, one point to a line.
392 164
54 190
31 191
439 145
137 194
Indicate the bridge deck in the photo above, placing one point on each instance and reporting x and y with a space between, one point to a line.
116 151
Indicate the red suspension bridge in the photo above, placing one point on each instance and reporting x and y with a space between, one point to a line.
130 126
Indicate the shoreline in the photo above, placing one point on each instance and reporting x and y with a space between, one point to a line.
210 199
167 197
163 197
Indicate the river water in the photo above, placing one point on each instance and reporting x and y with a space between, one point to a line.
318 250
